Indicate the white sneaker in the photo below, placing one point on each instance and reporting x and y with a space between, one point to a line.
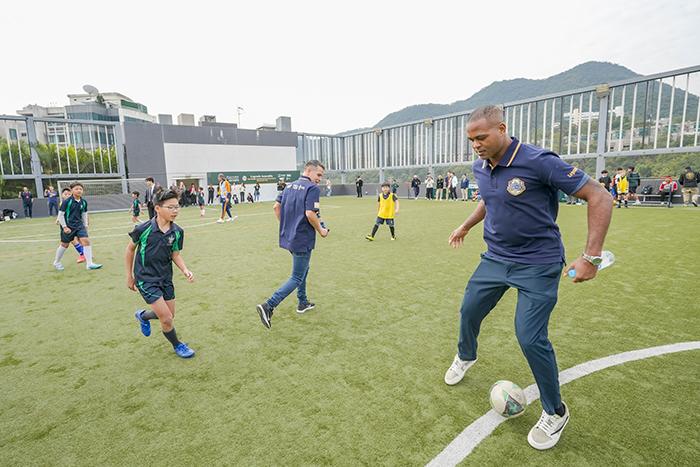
58 266
219 221
456 371
546 432
231 219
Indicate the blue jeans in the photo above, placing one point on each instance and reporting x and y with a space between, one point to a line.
537 286
300 269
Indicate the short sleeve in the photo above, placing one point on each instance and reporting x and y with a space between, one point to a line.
84 206
179 240
561 175
64 205
312 198
395 198
136 233
378 198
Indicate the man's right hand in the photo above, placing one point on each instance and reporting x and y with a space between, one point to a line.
66 230
457 236
324 232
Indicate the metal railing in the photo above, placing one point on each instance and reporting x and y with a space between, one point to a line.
655 114
41 148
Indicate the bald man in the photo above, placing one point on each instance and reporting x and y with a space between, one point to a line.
519 183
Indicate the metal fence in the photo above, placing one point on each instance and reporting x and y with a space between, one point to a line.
655 114
56 148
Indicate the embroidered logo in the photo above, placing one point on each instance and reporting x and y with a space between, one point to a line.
171 239
573 171
516 186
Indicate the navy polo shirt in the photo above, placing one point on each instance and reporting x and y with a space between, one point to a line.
520 194
74 210
296 233
154 252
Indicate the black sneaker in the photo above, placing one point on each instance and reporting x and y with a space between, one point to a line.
265 313
304 307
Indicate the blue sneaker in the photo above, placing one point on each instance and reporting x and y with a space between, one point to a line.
183 351
94 266
145 324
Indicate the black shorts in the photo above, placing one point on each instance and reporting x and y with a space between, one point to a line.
381 220
633 190
152 291
68 237
137 212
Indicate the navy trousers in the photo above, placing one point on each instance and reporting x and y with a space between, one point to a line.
537 287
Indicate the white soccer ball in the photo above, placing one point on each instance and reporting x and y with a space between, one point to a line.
507 399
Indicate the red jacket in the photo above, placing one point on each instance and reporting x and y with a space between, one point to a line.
673 186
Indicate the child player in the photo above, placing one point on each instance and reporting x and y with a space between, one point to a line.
135 207
154 246
201 201
73 217
388 208
621 187
65 194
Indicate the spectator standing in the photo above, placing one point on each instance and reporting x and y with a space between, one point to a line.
415 185
256 192
210 199
329 187
27 200
634 181
358 186
148 197
52 196
242 191
454 183
281 186
464 187
605 180
429 187
689 182
440 187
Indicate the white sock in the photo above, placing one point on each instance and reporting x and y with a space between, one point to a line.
87 251
59 254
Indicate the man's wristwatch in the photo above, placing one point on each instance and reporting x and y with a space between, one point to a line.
594 260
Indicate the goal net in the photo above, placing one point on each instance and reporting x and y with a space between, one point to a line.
108 186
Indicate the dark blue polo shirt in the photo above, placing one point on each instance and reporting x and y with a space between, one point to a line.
522 204
154 251
74 210
296 233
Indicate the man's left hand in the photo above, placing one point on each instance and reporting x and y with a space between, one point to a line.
585 271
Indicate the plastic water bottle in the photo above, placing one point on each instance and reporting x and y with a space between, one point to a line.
608 260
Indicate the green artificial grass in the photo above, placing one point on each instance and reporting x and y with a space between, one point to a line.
359 379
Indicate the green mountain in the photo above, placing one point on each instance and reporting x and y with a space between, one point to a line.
500 92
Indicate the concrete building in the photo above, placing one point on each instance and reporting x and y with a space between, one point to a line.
284 124
175 153
165 119
112 106
185 119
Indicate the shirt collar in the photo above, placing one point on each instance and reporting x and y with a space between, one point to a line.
508 157
154 224
304 177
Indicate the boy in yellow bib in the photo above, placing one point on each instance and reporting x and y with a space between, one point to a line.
388 208
621 187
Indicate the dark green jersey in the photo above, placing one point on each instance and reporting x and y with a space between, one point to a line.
154 250
74 211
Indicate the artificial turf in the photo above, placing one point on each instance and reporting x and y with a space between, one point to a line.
359 379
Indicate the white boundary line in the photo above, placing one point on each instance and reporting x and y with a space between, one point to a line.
481 428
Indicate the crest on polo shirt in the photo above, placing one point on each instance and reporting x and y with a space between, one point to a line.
171 240
515 186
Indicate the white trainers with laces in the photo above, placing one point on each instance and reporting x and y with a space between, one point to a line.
546 432
456 371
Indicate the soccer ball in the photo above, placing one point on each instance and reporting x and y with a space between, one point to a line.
507 399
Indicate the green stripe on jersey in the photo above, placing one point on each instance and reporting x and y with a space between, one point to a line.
143 239
176 243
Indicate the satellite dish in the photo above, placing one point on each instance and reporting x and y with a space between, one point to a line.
92 90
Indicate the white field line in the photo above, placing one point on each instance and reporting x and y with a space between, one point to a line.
481 428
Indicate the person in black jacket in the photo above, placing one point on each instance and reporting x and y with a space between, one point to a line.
358 186
689 184
148 197
415 185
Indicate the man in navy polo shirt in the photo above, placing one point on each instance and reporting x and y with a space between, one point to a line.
297 209
518 184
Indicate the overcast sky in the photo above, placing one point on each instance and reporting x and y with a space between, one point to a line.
331 66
